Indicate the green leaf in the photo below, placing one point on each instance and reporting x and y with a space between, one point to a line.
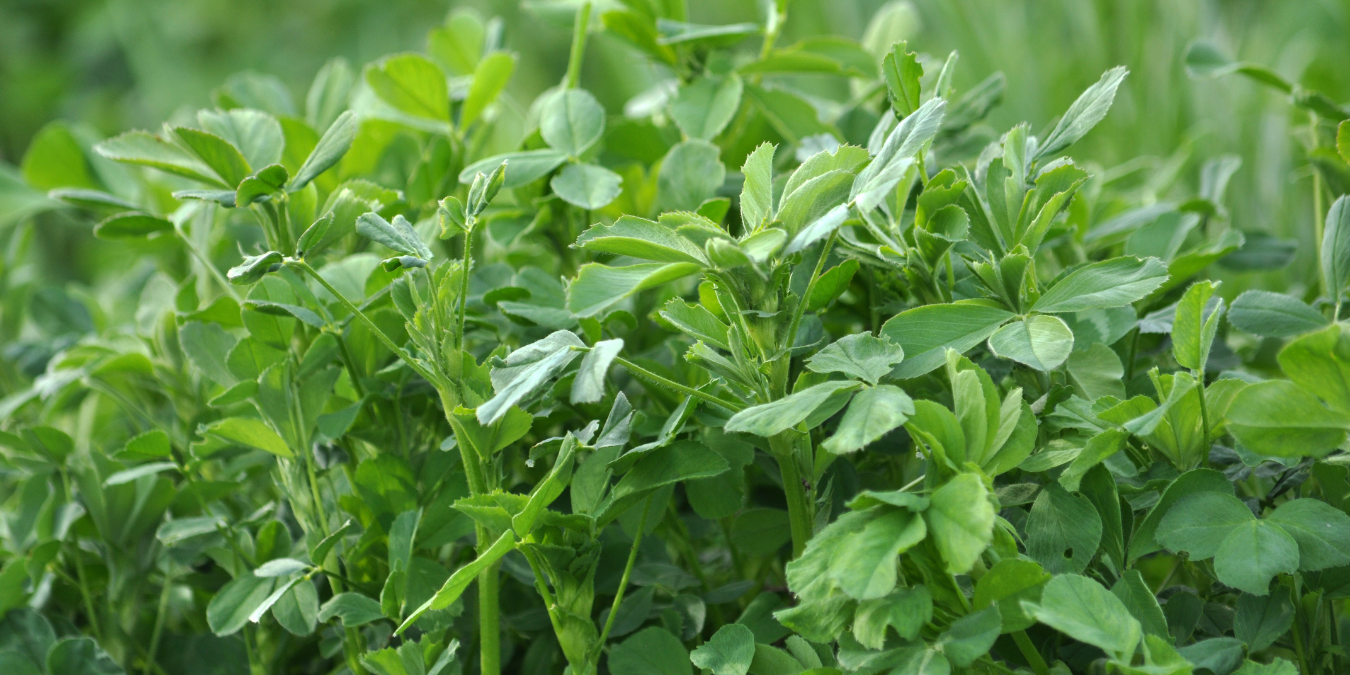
54 160
778 416
650 651
398 235
1097 450
971 636
151 444
249 433
902 71
254 268
641 238
872 413
1089 109
760 531
1253 553
230 608
906 610
1198 523
1085 611
328 94
330 149
207 346
1277 667
1193 331
598 287
298 609
456 584
679 461
696 321
131 227
1198 480
1260 621
860 356
412 84
256 134
572 121
353 609
1097 372
1281 419
1321 530
490 76
527 369
587 186
1336 248
145 149
961 521
1007 584
224 159
1267 314
757 191
14 663
1063 530
704 107
926 333
896 156
690 173
1110 283
80 656
589 385
522 168
810 201
1318 363
1143 605
729 652
1041 342
865 566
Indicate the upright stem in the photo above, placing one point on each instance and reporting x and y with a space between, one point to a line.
801 516
810 286
158 630
1204 412
1317 207
1029 651
578 45
623 581
463 291
489 619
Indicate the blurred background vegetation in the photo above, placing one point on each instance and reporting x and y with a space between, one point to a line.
118 64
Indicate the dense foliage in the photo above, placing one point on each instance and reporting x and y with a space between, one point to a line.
796 366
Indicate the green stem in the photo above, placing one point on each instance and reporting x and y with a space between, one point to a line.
623 581
1318 223
810 286
578 45
1204 411
675 386
158 630
1029 651
79 571
379 334
801 519
463 293
489 619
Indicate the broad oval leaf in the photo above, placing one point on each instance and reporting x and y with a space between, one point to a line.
1041 342
1110 283
587 186
572 121
411 84
926 333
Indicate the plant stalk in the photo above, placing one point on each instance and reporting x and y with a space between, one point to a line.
801 511
623 581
